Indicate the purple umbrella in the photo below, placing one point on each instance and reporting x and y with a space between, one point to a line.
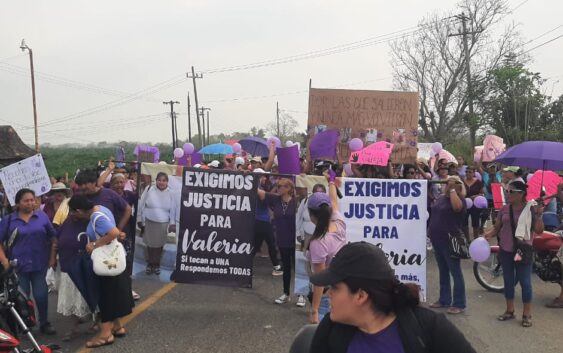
256 146
543 155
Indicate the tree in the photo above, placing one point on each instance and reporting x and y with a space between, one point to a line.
288 126
259 132
432 62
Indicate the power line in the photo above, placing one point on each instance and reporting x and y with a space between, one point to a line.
543 34
544 43
518 6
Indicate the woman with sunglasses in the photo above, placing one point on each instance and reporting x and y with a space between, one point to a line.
513 268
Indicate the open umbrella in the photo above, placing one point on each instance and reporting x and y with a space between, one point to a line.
543 155
216 148
256 146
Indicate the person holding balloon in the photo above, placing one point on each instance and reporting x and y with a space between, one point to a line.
514 268
474 189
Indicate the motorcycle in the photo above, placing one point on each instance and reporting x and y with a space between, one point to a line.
17 315
546 263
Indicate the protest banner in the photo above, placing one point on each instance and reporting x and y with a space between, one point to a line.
29 173
375 154
391 214
493 146
369 115
304 228
216 235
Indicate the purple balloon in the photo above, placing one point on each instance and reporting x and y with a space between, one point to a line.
188 148
480 202
275 140
178 153
355 144
469 203
236 147
478 176
348 170
436 147
479 250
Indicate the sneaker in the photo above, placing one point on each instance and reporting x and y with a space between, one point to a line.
300 301
135 295
428 244
156 270
149 270
284 298
277 271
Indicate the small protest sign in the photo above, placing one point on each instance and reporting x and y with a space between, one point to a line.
29 173
216 236
493 146
375 154
323 145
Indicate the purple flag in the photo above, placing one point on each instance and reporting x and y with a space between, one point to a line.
288 160
324 144
196 159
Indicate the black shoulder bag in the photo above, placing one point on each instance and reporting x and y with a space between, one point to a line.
526 251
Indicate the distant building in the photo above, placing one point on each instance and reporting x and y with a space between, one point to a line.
12 148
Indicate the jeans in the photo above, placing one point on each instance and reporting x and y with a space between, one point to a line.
36 281
513 272
324 307
447 266
263 232
288 259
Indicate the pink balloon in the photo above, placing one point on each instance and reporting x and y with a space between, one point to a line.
236 147
479 250
348 169
436 147
480 202
478 176
188 148
355 144
468 203
178 153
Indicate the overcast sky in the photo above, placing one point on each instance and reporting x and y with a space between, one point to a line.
105 56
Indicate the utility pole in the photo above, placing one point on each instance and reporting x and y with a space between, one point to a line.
464 33
202 111
175 129
189 120
278 117
172 118
193 77
23 47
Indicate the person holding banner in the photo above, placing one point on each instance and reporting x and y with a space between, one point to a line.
328 237
514 269
372 311
283 206
28 236
448 215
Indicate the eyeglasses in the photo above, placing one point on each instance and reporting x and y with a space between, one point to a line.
513 191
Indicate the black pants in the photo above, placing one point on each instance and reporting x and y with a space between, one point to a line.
263 232
288 259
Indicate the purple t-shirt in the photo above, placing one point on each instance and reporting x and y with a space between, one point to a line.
385 341
284 219
33 242
68 243
445 220
110 200
321 251
506 240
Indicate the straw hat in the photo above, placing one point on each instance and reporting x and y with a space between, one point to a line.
59 187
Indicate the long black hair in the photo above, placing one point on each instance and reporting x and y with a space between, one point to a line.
323 215
386 296
80 202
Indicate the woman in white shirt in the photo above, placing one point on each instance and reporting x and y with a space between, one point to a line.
157 211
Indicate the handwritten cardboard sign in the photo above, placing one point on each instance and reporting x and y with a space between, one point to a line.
369 115
375 154
29 173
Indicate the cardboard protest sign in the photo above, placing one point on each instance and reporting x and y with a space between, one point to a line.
424 150
216 235
391 214
493 146
29 173
369 115
148 154
375 154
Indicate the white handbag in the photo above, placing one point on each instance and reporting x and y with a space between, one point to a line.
109 259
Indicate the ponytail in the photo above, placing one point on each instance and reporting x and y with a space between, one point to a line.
386 296
323 215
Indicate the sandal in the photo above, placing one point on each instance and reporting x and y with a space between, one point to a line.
436 305
156 271
100 342
526 320
555 304
454 311
508 315
120 332
149 270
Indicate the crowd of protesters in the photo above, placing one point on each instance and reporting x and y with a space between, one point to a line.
48 225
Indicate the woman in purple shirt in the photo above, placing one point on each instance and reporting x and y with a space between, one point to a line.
33 245
283 206
513 270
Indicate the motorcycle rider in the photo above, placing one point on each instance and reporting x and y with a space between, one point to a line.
557 303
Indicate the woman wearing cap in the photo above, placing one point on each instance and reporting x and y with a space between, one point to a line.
506 227
157 210
372 311
448 216
283 206
58 196
328 237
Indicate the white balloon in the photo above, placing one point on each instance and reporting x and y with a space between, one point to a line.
289 144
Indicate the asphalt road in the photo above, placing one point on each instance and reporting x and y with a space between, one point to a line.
192 318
